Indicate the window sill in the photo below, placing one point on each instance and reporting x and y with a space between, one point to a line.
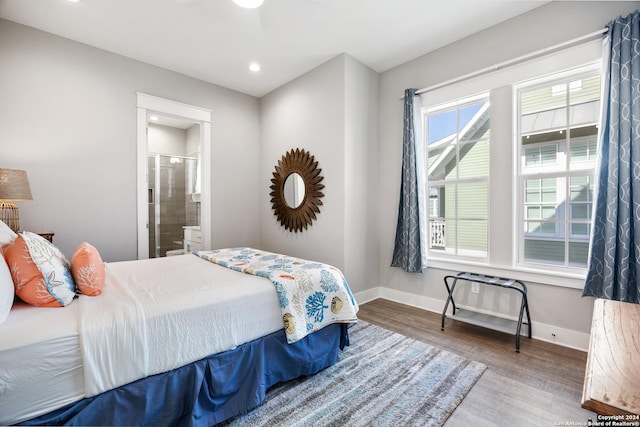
551 278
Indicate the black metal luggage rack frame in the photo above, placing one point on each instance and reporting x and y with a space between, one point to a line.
486 320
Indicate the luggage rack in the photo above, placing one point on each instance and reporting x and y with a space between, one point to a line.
487 320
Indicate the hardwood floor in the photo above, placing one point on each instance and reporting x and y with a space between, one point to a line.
540 386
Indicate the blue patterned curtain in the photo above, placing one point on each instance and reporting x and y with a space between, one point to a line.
410 252
614 261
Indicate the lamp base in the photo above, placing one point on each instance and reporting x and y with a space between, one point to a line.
9 214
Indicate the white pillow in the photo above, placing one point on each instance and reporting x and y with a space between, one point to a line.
7 291
6 234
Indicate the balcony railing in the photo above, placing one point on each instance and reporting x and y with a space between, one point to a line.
436 233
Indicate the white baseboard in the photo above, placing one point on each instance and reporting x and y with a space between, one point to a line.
541 331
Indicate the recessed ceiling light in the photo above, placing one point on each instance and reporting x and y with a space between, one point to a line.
249 4
153 118
74 1
254 66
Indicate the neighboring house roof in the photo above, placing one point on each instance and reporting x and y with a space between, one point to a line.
540 121
474 129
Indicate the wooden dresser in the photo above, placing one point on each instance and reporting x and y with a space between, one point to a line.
612 379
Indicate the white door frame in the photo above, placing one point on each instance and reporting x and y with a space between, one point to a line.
146 105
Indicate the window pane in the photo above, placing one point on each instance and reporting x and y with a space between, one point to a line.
584 95
542 99
534 212
541 191
579 188
543 108
442 126
548 154
474 121
532 191
473 200
533 227
583 145
580 207
442 226
540 154
579 211
547 251
548 190
442 162
532 156
578 254
434 202
548 211
474 159
472 239
580 230
436 160
450 233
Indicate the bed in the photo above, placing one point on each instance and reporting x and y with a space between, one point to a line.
182 340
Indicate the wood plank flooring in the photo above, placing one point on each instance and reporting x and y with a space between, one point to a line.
540 386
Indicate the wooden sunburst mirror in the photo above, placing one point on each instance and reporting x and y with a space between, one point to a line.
296 190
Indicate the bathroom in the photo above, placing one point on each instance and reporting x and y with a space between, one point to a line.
174 187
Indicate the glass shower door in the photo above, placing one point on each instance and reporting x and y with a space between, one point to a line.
172 205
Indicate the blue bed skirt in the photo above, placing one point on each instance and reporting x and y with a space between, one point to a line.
210 390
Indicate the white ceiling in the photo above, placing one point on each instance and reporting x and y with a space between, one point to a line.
215 40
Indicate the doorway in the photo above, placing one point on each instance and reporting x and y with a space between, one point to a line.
196 178
174 202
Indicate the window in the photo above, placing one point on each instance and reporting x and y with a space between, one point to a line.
557 139
457 136
511 156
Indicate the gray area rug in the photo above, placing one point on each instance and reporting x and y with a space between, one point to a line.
381 379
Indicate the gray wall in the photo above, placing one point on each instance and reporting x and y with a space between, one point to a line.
307 113
331 111
69 119
556 307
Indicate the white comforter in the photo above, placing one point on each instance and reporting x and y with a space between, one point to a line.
159 314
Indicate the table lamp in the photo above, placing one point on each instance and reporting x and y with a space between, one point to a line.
14 187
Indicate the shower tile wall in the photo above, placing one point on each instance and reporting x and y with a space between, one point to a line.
172 195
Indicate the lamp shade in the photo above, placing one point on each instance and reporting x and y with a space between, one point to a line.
14 185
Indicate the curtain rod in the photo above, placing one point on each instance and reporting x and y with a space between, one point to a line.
578 40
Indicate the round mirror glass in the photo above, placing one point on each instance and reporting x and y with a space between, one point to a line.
294 190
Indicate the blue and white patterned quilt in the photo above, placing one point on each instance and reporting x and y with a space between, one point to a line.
311 294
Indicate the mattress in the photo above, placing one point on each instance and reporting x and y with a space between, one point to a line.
40 361
45 355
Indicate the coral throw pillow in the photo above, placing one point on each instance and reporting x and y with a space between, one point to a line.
40 272
88 269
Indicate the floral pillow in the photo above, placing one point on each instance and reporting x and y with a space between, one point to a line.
88 269
40 272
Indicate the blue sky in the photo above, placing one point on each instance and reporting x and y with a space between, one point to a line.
444 124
